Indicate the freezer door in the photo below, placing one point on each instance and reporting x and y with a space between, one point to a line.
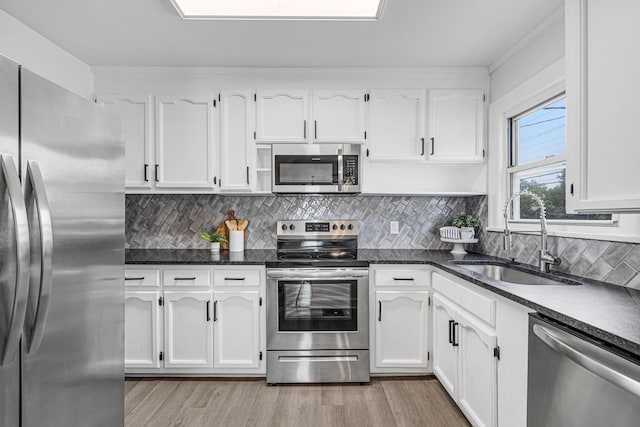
73 171
9 370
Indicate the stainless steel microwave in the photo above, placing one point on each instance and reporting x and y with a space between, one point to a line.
317 168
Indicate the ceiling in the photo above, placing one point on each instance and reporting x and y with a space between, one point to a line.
411 33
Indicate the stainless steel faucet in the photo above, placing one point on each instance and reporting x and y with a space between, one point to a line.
545 258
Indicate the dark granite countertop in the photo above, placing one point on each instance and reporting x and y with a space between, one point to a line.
608 312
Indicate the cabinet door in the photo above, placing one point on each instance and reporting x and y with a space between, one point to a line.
136 118
281 116
338 116
236 331
396 125
456 125
445 354
603 65
401 329
184 145
142 329
477 371
236 140
188 330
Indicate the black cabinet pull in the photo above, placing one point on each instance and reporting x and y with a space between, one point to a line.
156 173
134 278
208 310
235 278
247 175
215 180
422 152
215 311
379 311
184 278
146 172
315 129
455 342
304 129
433 146
367 152
450 332
404 279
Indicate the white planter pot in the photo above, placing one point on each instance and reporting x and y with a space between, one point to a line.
467 233
215 247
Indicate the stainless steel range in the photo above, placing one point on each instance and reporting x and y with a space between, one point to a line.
317 305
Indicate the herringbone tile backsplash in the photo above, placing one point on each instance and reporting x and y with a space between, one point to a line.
173 221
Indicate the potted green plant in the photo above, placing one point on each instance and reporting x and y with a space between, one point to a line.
468 224
214 238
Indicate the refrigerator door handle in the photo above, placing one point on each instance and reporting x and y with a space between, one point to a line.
35 192
21 224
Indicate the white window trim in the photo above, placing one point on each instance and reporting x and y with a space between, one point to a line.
544 85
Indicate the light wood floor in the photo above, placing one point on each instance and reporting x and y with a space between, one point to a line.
234 403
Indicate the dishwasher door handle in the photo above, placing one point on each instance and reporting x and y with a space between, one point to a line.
594 359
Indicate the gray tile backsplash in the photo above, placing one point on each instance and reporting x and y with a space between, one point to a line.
173 221
613 262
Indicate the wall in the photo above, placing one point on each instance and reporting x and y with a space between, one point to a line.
30 49
173 221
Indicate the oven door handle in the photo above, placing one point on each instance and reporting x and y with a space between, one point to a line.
317 274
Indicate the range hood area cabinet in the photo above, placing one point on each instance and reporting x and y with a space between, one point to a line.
220 143
293 116
603 65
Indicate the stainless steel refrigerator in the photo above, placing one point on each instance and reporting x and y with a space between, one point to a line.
61 256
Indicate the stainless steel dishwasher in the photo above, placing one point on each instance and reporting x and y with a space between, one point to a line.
575 380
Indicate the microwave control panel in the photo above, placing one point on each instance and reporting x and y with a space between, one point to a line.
350 170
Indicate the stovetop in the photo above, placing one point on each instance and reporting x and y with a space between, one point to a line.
334 258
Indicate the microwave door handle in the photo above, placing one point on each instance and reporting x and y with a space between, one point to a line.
340 170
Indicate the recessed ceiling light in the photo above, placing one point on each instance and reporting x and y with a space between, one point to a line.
355 10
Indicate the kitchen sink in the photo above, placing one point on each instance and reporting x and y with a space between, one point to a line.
505 273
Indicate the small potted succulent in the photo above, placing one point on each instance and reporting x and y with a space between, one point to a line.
468 224
214 239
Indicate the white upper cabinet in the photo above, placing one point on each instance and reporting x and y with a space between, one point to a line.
282 116
396 125
603 65
338 116
236 141
456 125
136 117
184 145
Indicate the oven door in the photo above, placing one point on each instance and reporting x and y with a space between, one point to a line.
317 309
305 173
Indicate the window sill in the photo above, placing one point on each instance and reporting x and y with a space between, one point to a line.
531 229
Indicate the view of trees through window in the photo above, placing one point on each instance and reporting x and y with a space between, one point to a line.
537 161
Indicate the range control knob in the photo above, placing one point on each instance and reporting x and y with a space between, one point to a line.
342 227
292 227
284 227
350 227
335 226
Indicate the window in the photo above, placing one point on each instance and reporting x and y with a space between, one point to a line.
537 162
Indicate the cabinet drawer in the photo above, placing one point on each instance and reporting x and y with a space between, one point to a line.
477 304
401 278
235 277
182 278
138 278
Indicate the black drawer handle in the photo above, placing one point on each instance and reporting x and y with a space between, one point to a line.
184 278
134 278
235 278
404 279
455 342
450 331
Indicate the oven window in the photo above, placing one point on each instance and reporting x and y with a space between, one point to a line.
305 170
317 305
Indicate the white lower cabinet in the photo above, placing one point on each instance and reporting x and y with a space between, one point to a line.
236 330
142 340
402 329
195 320
464 362
188 329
